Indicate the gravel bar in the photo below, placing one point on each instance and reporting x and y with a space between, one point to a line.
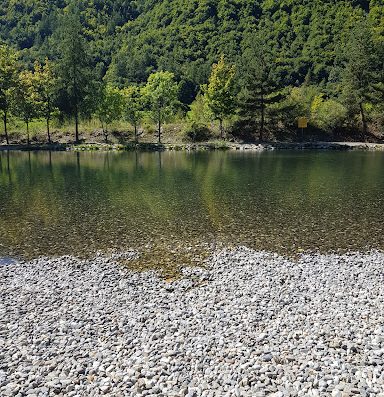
251 324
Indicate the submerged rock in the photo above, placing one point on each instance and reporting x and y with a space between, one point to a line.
6 261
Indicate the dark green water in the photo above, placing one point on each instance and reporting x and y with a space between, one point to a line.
77 203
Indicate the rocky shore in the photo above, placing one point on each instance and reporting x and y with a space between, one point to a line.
196 147
249 324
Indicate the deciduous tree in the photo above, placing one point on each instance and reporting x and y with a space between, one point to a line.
25 100
219 93
8 82
161 92
45 82
110 107
133 107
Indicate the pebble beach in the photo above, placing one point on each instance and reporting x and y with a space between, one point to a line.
248 323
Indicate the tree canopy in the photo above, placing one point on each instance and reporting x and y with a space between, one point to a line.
161 93
219 93
292 58
129 40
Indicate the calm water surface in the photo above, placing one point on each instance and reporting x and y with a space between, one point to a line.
78 203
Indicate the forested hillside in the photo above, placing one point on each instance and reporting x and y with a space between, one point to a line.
305 41
135 38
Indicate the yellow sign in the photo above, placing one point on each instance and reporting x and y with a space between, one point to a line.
303 122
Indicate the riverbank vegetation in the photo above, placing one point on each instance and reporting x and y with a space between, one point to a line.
119 71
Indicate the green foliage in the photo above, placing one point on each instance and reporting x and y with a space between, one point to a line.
25 99
110 107
259 79
328 115
199 113
45 83
161 93
132 39
133 106
242 131
361 71
301 100
195 132
8 81
219 93
286 52
76 82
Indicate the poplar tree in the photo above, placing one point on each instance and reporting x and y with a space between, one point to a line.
219 93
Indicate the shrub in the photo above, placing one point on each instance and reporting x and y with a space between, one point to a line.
197 133
328 115
199 114
301 99
244 131
149 129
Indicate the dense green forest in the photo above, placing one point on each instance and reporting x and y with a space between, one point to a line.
251 67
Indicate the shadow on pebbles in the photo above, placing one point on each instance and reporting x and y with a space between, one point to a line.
252 324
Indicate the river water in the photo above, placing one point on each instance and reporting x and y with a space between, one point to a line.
174 204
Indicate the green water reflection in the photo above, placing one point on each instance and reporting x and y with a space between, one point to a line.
78 203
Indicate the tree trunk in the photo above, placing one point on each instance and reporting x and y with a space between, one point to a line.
262 121
28 140
5 127
136 140
77 127
364 122
159 127
221 129
48 131
106 134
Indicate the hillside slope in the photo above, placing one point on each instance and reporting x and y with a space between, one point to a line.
133 38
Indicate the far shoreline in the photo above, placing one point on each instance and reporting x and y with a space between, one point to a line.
193 147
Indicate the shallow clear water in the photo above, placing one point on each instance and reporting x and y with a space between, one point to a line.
78 203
